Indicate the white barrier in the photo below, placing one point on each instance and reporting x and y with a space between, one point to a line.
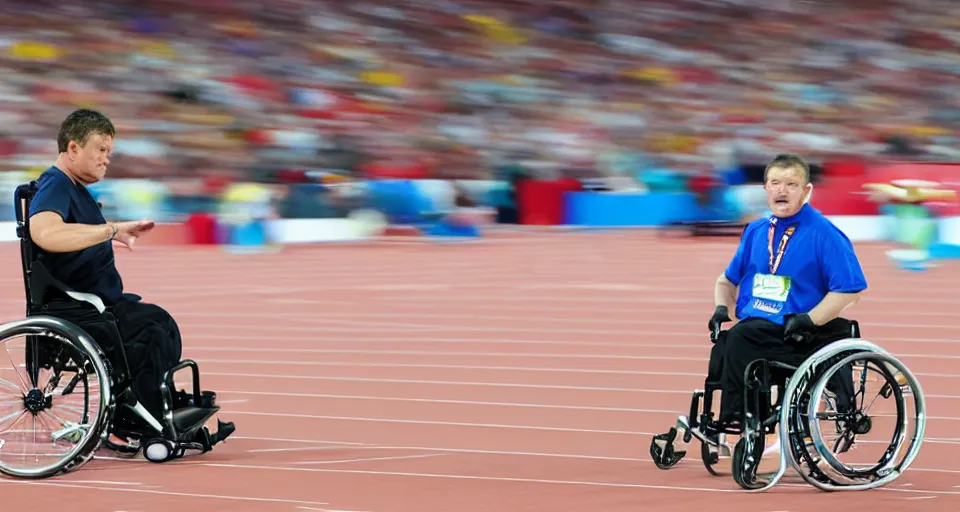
864 228
298 231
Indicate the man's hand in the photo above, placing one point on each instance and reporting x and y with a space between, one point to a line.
799 329
720 315
128 232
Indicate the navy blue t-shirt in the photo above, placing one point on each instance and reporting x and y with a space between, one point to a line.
810 258
91 270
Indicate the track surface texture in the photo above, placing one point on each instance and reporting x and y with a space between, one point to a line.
524 373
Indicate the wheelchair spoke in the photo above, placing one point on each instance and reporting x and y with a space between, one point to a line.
863 385
60 421
12 386
64 427
16 368
17 413
41 418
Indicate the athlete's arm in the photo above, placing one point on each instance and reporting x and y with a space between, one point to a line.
725 289
725 293
52 234
830 307
843 276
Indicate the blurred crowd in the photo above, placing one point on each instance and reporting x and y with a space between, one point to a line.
461 89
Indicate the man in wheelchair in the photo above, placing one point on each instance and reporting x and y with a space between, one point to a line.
70 274
790 278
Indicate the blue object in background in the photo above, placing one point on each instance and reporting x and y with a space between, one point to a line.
640 209
663 180
734 177
450 229
251 233
944 251
400 201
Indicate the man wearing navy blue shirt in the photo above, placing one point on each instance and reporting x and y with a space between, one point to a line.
790 278
76 245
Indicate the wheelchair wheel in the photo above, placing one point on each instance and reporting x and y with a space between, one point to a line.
55 397
710 457
886 408
831 376
747 454
158 450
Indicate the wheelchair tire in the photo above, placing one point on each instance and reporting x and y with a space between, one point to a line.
158 450
887 467
89 366
710 457
744 471
801 437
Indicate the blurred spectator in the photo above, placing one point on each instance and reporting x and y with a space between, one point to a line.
459 88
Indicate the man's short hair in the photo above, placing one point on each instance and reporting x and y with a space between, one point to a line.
80 125
788 161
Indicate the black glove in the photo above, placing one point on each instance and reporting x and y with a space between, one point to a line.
799 329
720 315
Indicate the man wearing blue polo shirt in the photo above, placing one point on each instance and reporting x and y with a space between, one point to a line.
792 274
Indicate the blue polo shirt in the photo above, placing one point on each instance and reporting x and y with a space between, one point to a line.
810 258
93 269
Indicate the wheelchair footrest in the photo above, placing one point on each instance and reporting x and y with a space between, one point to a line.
666 456
190 418
208 440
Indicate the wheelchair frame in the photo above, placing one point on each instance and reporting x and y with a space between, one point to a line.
182 426
800 388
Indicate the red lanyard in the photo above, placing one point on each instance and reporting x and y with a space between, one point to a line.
775 264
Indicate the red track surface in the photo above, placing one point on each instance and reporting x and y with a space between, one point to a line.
510 375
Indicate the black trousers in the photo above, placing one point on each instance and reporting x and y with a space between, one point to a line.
141 341
754 339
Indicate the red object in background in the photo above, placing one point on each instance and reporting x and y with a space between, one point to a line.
292 176
843 196
257 137
258 86
201 229
947 174
841 191
701 183
215 184
541 202
395 170
848 168
697 75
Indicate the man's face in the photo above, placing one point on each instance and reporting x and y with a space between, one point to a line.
90 161
786 187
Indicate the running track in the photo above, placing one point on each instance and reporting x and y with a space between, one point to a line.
516 374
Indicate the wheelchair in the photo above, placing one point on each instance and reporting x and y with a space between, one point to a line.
807 394
66 373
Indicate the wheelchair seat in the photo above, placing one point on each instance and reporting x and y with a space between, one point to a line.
69 357
792 417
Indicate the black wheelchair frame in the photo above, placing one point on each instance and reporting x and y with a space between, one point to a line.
761 417
182 426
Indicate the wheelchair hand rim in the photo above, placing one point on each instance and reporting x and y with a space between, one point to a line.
891 468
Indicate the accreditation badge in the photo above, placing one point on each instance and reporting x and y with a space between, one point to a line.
771 287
